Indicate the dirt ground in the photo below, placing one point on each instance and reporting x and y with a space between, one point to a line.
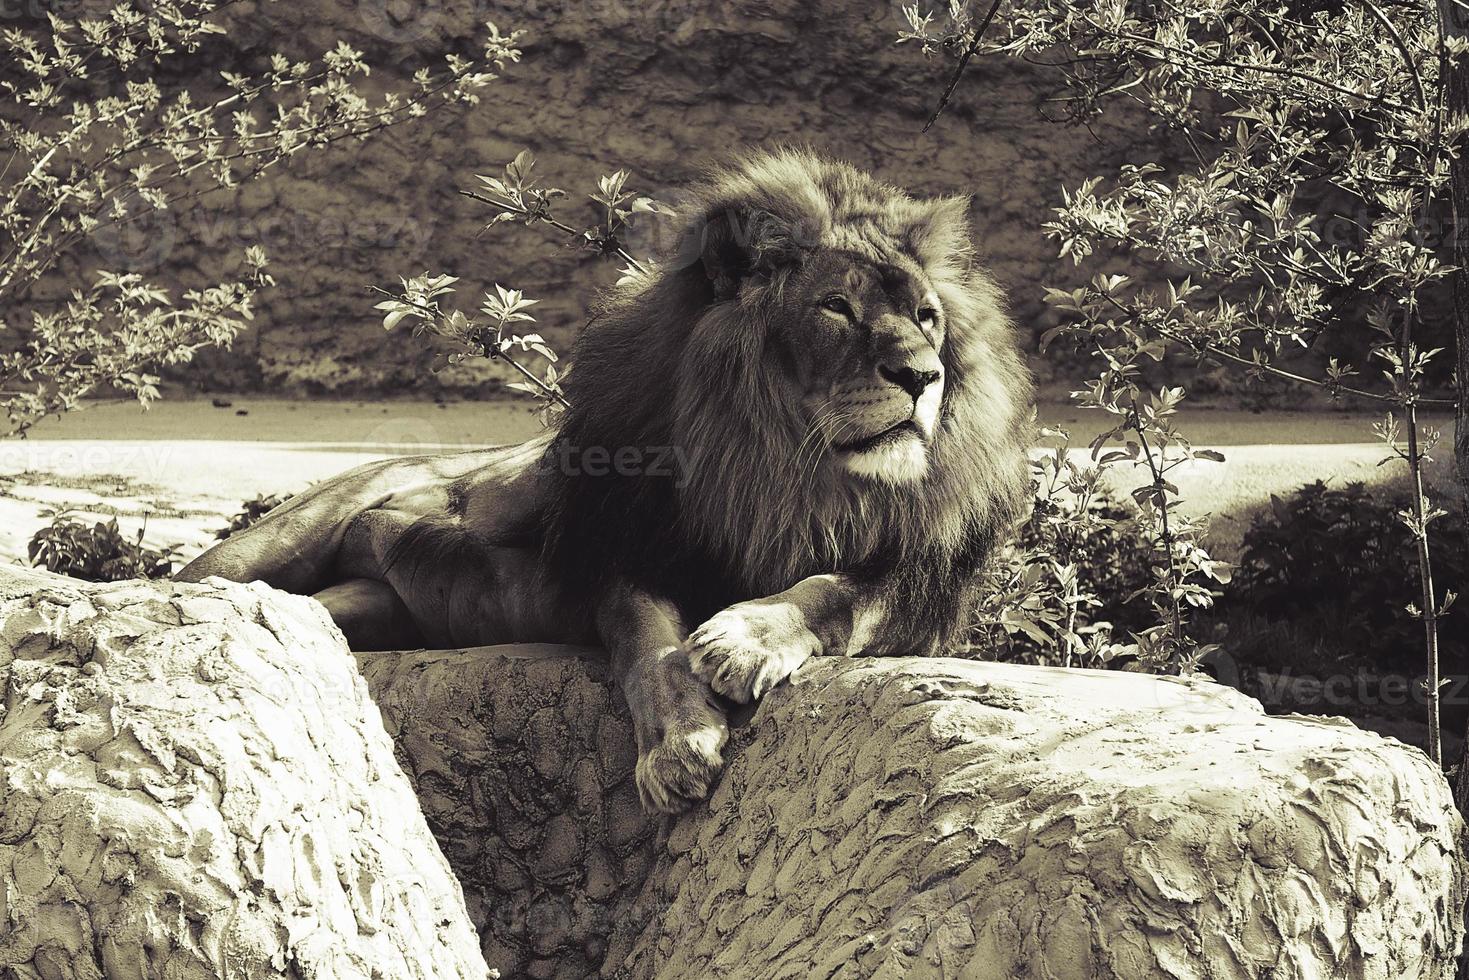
185 465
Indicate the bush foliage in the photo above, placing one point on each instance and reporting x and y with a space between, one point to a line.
96 137
1335 556
251 511
1278 109
1068 583
96 552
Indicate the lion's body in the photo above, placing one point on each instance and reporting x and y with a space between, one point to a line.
748 523
764 438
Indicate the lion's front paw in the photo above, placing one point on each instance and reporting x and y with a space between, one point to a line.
680 732
680 768
750 647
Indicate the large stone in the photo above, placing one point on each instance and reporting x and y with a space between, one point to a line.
194 783
933 818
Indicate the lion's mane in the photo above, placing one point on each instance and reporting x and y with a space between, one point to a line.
674 359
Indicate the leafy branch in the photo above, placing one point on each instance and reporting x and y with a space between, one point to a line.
517 195
418 301
94 141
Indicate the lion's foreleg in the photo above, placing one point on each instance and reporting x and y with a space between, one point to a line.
680 729
750 647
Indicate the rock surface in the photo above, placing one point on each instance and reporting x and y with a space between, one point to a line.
194 784
934 818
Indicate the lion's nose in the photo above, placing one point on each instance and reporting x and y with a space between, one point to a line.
912 380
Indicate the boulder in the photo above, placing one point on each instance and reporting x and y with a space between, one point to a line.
932 818
195 785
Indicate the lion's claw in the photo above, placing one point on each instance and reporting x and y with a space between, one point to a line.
680 770
750 647
680 732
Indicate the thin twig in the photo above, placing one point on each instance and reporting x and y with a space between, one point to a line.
1218 353
551 393
1160 501
1208 349
1429 611
1193 58
561 226
1402 46
958 72
370 123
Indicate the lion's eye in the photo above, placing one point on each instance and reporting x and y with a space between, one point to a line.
837 305
927 317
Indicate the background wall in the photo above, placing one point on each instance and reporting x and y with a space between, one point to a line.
658 88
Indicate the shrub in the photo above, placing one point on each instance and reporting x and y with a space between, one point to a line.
1043 603
1236 259
105 120
1114 558
1080 584
98 552
1339 556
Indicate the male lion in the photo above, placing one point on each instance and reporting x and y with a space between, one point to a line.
801 434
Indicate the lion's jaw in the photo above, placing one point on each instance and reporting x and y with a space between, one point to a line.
887 434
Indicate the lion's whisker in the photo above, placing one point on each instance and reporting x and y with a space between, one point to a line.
829 418
813 431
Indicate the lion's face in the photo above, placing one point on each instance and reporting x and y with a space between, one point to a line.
860 348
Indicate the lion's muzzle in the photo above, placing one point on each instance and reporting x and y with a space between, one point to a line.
915 380
892 407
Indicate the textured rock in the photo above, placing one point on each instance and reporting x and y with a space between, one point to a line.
934 818
193 784
524 767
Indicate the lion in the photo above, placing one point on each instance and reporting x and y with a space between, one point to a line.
801 433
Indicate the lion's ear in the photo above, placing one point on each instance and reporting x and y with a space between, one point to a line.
940 231
725 258
735 243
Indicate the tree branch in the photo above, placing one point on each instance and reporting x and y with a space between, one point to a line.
959 69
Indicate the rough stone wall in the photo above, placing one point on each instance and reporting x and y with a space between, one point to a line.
194 785
524 767
935 818
657 87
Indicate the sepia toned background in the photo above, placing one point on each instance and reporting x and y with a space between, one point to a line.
658 88
315 385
